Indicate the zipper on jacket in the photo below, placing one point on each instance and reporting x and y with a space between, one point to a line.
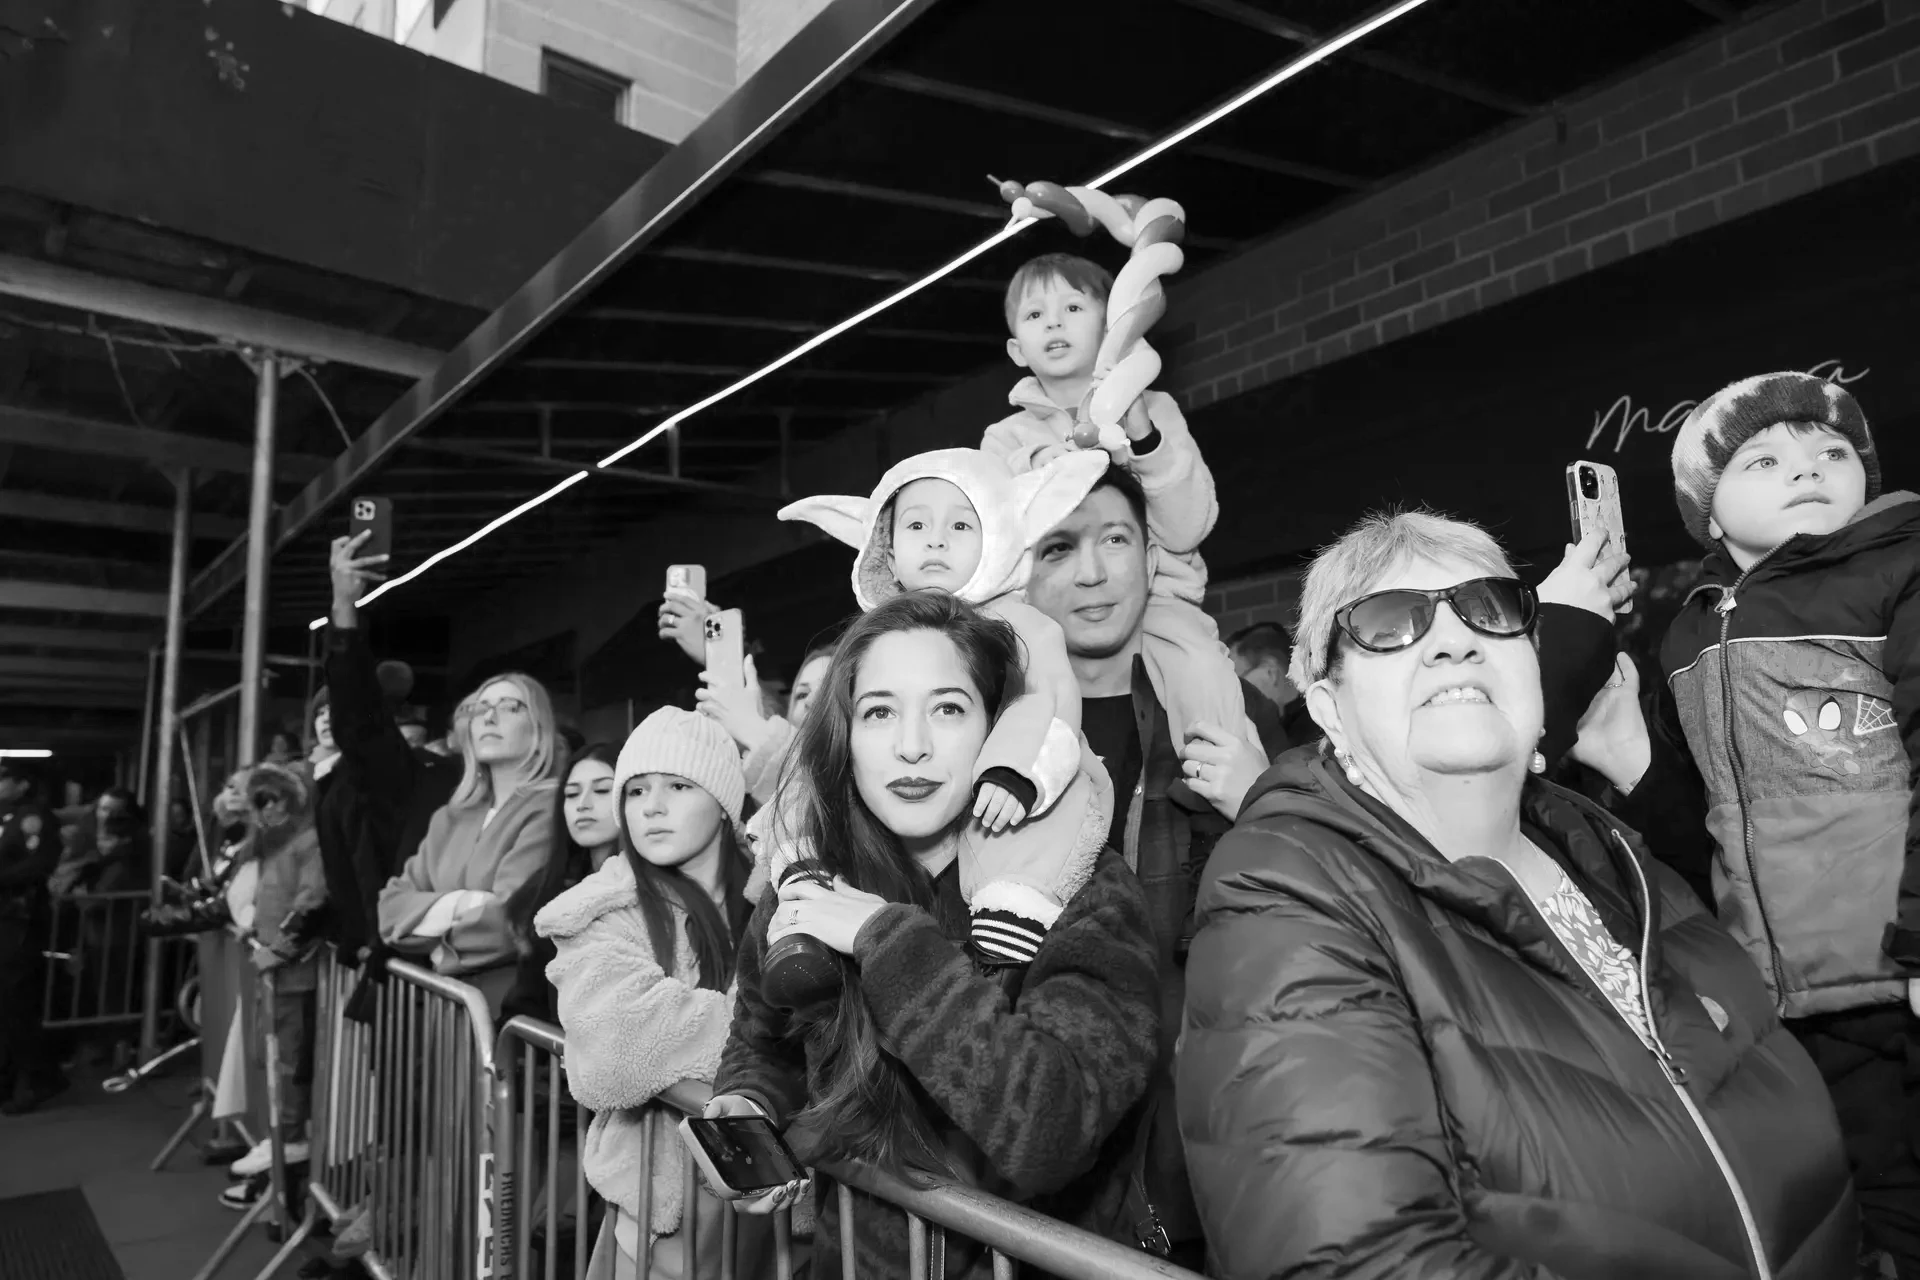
1729 601
1677 1074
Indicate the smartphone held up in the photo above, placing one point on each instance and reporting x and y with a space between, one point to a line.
373 517
726 649
1593 506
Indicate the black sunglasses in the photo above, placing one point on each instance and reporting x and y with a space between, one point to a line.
1387 621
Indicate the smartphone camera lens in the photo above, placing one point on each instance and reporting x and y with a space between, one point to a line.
1589 483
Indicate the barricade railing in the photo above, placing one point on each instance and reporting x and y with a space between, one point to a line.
534 1125
401 1137
95 953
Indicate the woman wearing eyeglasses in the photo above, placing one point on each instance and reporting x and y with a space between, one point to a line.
449 901
1445 1019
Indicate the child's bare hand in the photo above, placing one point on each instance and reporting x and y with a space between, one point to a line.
997 808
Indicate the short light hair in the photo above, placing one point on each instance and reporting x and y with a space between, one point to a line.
1349 568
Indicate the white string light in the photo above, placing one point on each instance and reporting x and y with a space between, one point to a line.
25 753
1307 60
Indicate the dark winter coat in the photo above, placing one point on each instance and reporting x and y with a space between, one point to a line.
1390 1067
364 803
1795 688
1041 1090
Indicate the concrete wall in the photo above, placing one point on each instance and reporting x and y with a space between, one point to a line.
678 54
764 27
1804 96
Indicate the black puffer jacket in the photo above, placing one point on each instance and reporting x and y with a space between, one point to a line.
1390 1067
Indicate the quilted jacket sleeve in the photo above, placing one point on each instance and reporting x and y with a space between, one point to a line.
1902 656
1307 1106
1668 806
761 1060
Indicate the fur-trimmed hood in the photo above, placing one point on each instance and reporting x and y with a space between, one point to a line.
1015 512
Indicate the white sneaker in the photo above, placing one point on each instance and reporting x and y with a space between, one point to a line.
260 1159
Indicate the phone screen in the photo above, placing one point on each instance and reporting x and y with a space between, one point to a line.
373 516
746 1152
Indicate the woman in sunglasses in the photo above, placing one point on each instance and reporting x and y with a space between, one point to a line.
1446 1019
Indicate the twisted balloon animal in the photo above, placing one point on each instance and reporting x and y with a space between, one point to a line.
1125 365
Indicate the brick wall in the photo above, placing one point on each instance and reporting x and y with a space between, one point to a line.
765 26
678 54
1803 96
1266 597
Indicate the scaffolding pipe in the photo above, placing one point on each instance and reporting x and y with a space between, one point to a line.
253 635
169 721
146 725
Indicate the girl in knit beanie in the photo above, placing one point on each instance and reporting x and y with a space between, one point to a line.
644 974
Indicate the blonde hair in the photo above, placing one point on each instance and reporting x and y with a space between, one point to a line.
542 763
1348 568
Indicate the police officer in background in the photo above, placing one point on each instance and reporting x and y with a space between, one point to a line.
29 850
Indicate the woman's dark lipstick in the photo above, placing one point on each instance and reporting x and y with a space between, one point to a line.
914 789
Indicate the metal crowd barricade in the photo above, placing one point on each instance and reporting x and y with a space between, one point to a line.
95 955
531 1129
400 1122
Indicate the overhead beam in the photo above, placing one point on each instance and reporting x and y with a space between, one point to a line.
560 466
768 262
695 319
823 53
67 434
59 597
1022 109
1401 69
1718 10
588 364
76 639
18 667
108 515
61 286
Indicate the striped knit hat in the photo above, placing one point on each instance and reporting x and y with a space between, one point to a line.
1733 415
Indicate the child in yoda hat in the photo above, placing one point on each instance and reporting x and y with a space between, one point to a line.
959 520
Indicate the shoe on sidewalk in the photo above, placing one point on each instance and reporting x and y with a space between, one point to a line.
244 1195
260 1159
31 1097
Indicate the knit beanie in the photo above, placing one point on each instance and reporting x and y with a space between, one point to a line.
687 745
1733 415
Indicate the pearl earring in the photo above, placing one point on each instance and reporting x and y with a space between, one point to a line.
1347 765
1538 764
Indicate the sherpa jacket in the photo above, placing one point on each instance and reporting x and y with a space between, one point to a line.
632 1031
1795 688
1391 1067
1181 507
462 851
1042 1090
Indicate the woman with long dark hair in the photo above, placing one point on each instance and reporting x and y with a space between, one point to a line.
586 832
644 969
930 1061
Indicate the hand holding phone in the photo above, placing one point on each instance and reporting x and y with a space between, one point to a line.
374 517
1593 508
742 1156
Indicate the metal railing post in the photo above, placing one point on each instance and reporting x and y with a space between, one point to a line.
168 730
253 640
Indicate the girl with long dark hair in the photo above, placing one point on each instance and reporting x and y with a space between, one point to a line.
1020 1079
586 832
644 968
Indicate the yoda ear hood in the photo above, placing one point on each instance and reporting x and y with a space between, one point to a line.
1015 512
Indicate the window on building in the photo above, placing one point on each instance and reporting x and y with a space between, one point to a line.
577 84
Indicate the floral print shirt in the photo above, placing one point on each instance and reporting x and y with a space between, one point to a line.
1611 966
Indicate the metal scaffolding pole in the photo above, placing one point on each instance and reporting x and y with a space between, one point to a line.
146 727
253 636
168 726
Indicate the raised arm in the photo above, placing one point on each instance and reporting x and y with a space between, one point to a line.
1025 740
1041 1086
1307 1106
1181 507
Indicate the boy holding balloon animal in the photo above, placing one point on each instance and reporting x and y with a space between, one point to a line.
1089 366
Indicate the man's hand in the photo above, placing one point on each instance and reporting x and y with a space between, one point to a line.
997 808
1613 737
1221 767
352 575
683 618
1590 578
738 710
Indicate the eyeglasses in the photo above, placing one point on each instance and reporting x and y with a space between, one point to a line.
1388 621
505 706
